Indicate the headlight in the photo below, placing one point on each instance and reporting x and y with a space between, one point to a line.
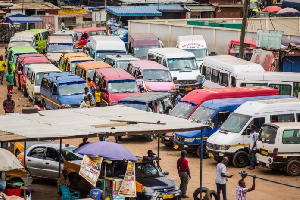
147 189
176 187
170 134
66 105
189 139
224 147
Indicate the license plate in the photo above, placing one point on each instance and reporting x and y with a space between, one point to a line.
264 153
211 155
176 146
169 196
188 89
185 146
166 138
221 154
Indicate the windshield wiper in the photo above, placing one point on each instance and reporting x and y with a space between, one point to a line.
224 131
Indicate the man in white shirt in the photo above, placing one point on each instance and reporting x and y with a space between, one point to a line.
62 25
252 147
222 178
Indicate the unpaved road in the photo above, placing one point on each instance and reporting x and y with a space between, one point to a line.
46 189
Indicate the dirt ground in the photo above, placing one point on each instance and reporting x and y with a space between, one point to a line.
46 189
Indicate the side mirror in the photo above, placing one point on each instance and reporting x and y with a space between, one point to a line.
166 173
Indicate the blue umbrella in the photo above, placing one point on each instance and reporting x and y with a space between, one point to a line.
107 150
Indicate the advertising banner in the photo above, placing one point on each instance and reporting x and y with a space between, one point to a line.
90 169
128 186
269 39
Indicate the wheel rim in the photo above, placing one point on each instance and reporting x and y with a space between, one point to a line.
241 159
294 168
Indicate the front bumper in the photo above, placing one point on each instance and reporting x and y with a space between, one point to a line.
219 154
191 148
184 88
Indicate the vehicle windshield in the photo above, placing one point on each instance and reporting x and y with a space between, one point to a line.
202 114
38 78
136 105
182 110
253 5
182 64
100 55
157 75
74 63
146 170
268 134
60 48
72 88
199 53
142 51
235 123
122 86
70 156
90 73
77 35
17 41
123 64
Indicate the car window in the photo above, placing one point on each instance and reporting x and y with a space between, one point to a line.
291 137
37 152
283 118
52 154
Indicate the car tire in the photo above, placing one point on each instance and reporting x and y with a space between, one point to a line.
197 193
210 194
17 152
205 153
29 110
293 168
25 91
240 159
150 138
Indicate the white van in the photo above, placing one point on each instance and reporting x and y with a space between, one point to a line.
195 44
181 64
65 33
232 139
23 37
99 46
279 147
221 71
288 83
35 74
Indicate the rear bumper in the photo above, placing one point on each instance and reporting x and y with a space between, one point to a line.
274 165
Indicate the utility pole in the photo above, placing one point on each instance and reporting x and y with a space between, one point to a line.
243 31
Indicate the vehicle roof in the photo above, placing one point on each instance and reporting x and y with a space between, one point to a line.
117 57
66 32
53 145
147 64
93 65
285 125
199 95
43 67
246 41
64 77
24 35
105 38
220 103
142 35
32 60
21 44
114 74
144 39
146 97
80 58
268 106
231 64
268 76
173 52
18 50
90 29
37 30
60 39
100 42
26 56
74 54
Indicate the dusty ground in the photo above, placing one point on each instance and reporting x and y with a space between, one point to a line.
46 189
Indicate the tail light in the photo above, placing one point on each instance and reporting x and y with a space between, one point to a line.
275 153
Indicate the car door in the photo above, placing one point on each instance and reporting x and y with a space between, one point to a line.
35 159
51 163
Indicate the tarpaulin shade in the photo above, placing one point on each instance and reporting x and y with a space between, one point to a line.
24 20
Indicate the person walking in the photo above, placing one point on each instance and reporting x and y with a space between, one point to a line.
84 142
9 104
2 69
241 189
10 80
62 25
222 178
252 147
184 173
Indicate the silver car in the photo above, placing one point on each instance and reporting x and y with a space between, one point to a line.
42 160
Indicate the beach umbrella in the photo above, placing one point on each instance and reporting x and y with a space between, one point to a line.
271 9
287 11
8 161
107 150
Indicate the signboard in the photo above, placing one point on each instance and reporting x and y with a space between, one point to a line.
269 39
71 11
128 186
90 169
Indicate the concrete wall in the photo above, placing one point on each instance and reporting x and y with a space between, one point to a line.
217 39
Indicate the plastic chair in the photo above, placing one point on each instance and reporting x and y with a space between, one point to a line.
67 195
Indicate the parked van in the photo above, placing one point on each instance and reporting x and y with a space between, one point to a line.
221 71
66 33
233 137
140 43
234 48
279 147
22 64
215 111
13 54
62 90
41 38
190 102
71 62
23 37
288 83
181 64
82 35
56 46
34 78
156 77
195 44
87 69
115 83
100 46
119 61
64 57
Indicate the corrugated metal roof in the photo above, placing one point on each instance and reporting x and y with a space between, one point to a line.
168 7
199 8
89 122
26 5
129 11
156 1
